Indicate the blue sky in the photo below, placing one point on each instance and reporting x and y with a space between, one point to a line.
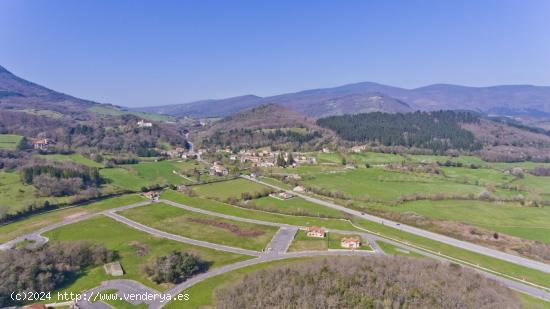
137 53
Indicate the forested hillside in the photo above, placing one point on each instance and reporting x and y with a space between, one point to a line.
265 125
438 131
373 282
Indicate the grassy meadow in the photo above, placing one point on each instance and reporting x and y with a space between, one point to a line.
9 141
198 226
225 189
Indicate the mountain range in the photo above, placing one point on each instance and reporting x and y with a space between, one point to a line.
523 101
510 100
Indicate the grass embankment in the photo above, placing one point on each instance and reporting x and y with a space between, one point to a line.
295 205
391 249
202 227
35 222
126 242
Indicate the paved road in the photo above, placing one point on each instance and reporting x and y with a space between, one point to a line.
37 235
282 240
130 291
413 230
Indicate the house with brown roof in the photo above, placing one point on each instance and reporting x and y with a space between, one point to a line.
152 195
352 242
315 231
43 143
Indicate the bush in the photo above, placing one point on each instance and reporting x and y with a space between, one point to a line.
175 267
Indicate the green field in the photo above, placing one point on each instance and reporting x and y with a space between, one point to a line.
135 176
75 157
119 237
14 195
373 158
35 222
9 141
179 221
329 157
481 176
225 189
383 185
228 209
117 112
296 206
509 218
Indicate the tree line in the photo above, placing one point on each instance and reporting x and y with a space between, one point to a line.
46 268
438 131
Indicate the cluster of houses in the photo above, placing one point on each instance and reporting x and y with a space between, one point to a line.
351 242
267 158
182 153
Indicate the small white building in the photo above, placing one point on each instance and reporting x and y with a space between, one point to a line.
143 124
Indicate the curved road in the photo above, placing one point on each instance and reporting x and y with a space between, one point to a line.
416 231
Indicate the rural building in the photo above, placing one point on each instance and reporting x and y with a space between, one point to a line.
143 124
152 195
43 143
218 170
113 269
350 242
181 188
299 189
315 231
281 195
